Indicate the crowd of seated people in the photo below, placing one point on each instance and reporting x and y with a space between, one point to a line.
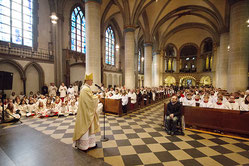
214 98
60 101
63 101
136 95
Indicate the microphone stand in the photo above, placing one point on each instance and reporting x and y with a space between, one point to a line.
103 139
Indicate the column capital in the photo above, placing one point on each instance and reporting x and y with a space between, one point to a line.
97 1
23 78
215 45
157 52
147 44
129 28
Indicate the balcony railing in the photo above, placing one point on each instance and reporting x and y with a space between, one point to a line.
207 70
188 70
40 54
169 71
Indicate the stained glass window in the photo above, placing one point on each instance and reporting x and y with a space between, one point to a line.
78 31
139 60
109 46
16 21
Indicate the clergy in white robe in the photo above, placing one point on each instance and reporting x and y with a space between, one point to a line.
244 106
219 104
188 101
70 91
231 104
206 103
52 89
63 91
87 120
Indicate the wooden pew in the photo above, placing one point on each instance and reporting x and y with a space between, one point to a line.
142 102
115 105
112 105
159 96
129 107
228 121
146 102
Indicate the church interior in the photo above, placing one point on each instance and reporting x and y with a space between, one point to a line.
157 45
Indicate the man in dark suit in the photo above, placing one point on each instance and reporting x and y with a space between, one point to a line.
172 115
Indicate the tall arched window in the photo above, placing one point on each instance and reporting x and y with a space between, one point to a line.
16 21
109 46
139 61
207 53
188 56
170 58
78 31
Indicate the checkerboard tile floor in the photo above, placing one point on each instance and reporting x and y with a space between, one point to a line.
139 139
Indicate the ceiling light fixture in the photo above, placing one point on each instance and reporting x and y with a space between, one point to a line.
54 18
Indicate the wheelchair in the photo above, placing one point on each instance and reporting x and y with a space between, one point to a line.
180 126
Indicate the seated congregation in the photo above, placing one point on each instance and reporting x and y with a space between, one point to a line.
63 101
208 108
214 98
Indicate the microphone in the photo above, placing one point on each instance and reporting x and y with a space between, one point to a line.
97 86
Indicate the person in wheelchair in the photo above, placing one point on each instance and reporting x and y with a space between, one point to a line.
173 114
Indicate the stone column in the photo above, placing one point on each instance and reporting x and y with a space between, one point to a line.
178 62
239 51
177 65
93 46
200 63
147 64
161 71
129 57
215 52
136 70
156 68
57 51
222 62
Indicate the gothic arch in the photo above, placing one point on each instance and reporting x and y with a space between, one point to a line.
108 7
203 41
39 70
17 66
186 44
182 27
170 80
116 29
205 80
182 78
212 14
177 50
